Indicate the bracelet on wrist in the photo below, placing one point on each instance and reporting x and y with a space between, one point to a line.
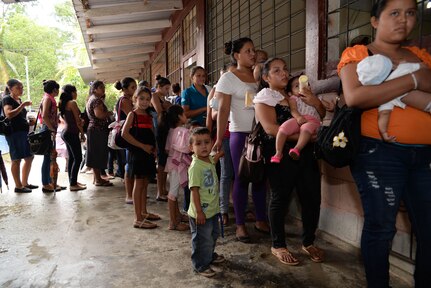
415 81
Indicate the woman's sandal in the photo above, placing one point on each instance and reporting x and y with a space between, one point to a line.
179 227
316 254
104 183
225 219
144 224
184 218
284 256
151 216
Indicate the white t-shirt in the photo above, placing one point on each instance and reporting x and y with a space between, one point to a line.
240 117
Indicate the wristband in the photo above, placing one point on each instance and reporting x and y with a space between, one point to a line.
414 80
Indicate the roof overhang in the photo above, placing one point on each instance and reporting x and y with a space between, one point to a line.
120 35
15 1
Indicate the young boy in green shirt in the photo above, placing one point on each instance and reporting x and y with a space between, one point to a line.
204 203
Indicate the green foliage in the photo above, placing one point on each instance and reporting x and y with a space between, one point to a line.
43 47
53 53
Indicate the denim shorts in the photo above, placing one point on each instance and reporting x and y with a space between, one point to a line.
18 145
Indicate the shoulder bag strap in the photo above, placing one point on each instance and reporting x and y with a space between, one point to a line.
37 117
119 108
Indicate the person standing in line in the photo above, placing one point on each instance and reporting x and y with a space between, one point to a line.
138 131
72 134
123 106
161 105
49 115
177 147
235 92
97 133
226 167
204 205
388 172
272 110
19 148
194 98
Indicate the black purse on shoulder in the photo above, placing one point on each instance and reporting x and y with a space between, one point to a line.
41 142
252 163
5 123
338 143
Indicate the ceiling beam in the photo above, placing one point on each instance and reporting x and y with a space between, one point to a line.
115 42
121 53
122 9
128 27
117 63
118 74
137 66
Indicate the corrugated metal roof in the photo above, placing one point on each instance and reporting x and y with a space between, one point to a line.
121 34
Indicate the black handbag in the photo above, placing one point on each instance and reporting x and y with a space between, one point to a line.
5 123
120 141
338 143
251 164
41 142
5 126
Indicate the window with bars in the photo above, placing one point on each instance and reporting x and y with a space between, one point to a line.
174 58
158 67
146 74
189 31
348 22
276 26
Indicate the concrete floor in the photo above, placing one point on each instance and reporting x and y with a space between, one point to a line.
86 239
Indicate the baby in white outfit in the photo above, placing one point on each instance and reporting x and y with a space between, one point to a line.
375 69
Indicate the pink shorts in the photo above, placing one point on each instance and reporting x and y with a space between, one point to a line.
291 127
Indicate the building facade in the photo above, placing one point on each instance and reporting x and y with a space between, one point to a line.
310 36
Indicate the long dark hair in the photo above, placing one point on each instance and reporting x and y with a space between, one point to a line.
232 47
9 84
265 71
93 86
168 120
66 96
138 91
162 81
124 83
50 85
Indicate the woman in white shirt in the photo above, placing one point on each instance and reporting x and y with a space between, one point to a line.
235 91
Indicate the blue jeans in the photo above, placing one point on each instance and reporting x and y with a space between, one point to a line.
186 202
46 178
385 174
225 177
204 238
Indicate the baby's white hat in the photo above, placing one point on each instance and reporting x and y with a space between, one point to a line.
373 70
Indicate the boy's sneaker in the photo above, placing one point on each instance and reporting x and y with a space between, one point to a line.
207 273
217 258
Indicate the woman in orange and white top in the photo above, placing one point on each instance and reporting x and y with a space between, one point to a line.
386 173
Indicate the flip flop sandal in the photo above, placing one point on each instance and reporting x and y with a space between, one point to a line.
144 224
151 217
316 254
104 183
180 227
184 218
282 254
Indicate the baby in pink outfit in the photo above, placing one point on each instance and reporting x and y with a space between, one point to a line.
305 121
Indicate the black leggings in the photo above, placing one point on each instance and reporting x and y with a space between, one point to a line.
73 145
304 175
